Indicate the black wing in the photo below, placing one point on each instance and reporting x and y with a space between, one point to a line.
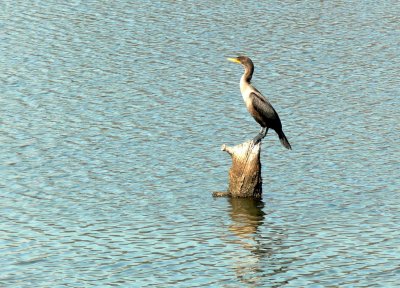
264 114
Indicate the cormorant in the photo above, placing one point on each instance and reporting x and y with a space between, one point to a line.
258 106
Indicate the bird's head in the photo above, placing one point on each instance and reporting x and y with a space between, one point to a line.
247 64
244 60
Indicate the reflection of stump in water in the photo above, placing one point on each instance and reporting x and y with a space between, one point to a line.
248 218
247 215
245 173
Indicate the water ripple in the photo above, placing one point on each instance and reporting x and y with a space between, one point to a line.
112 115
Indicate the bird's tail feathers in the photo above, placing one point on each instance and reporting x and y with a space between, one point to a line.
284 140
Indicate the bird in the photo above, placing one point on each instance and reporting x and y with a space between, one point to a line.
258 106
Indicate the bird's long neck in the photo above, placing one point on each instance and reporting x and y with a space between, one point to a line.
246 77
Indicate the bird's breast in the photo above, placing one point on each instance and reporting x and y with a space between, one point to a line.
246 96
246 89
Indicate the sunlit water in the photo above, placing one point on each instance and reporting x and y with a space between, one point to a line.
112 115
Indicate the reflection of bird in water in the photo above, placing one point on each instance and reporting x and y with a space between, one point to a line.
258 106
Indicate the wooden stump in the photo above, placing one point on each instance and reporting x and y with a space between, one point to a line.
245 173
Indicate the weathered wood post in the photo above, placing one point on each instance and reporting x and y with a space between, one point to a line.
245 173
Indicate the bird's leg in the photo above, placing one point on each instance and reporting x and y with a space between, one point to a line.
266 131
261 135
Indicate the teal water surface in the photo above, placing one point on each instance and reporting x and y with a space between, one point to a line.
112 114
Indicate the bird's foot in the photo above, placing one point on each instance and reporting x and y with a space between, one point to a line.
258 138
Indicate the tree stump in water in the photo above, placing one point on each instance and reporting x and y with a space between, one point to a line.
245 173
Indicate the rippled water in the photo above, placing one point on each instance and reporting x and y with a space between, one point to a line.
112 115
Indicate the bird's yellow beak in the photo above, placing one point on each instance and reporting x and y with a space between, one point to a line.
234 60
